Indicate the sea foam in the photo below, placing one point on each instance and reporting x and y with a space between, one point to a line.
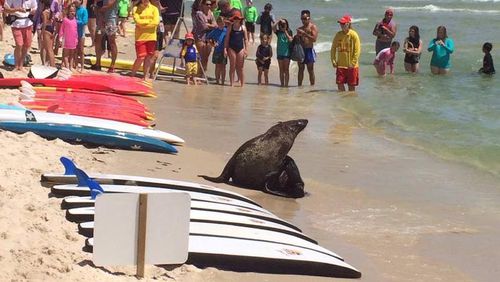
433 9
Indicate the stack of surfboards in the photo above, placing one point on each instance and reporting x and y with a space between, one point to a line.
88 130
227 230
85 108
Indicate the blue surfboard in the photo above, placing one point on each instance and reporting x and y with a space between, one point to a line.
91 135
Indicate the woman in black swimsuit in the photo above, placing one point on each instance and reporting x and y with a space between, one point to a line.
48 33
412 49
235 47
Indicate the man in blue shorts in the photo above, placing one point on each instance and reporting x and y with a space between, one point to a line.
308 34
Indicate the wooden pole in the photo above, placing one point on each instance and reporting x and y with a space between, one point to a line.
141 238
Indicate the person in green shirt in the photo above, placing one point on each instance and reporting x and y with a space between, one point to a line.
250 13
236 4
123 13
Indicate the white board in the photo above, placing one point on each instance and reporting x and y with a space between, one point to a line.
116 225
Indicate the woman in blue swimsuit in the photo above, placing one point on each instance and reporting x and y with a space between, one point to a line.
441 47
235 47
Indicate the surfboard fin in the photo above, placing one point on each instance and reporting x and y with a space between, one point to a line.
82 178
85 181
69 166
95 189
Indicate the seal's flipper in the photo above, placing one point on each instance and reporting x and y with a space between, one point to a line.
224 176
286 182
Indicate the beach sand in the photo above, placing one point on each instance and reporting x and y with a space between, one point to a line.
372 200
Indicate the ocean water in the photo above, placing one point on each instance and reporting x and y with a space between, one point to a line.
456 117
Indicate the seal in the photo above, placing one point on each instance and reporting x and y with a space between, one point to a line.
262 163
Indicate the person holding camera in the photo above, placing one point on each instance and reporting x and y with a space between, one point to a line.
441 47
20 12
285 37
385 31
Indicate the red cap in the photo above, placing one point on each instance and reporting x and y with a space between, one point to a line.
237 15
345 19
189 35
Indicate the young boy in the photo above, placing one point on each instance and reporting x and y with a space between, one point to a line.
216 38
263 61
266 21
385 58
189 54
250 13
488 67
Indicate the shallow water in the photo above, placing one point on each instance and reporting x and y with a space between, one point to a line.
455 117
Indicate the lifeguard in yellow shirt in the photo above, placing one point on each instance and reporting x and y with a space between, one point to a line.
147 18
345 52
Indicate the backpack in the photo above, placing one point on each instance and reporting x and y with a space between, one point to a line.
296 50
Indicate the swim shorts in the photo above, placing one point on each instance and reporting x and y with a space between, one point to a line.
349 76
264 66
309 56
145 48
280 57
22 36
191 68
110 28
250 27
169 19
219 58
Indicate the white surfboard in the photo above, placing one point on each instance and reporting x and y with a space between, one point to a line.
265 257
146 181
20 115
233 231
72 202
41 71
74 190
87 214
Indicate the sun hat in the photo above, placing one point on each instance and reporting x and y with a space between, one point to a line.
189 35
345 19
237 15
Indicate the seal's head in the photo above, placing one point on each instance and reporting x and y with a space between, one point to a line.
295 126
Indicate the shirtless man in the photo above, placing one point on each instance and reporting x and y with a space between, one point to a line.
308 34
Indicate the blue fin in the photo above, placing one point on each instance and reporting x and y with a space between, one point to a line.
95 189
82 178
69 166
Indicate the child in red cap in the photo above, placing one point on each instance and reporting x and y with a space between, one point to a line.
190 55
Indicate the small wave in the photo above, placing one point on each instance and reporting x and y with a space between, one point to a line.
359 20
434 8
323 47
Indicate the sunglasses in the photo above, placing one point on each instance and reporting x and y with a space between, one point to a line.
304 18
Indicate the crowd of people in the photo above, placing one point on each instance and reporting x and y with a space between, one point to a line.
222 29
299 47
60 23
